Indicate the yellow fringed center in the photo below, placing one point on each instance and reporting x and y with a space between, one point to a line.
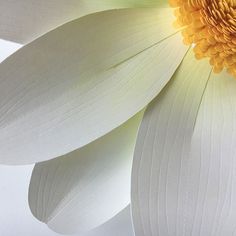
209 25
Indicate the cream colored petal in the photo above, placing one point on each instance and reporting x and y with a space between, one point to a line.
84 189
23 21
82 80
161 153
210 189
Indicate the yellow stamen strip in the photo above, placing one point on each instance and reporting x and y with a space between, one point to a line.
210 25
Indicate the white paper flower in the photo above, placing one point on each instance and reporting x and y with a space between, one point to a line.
78 88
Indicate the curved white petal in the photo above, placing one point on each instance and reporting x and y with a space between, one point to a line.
87 187
211 169
82 80
161 152
119 225
23 21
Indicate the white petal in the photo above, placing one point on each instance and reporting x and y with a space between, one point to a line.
120 225
80 81
23 21
87 187
162 151
211 169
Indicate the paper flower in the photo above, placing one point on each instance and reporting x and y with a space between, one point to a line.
78 92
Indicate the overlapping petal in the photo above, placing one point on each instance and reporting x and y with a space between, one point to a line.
160 164
209 196
82 80
87 187
188 188
23 21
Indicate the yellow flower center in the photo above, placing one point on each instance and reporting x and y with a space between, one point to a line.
209 25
